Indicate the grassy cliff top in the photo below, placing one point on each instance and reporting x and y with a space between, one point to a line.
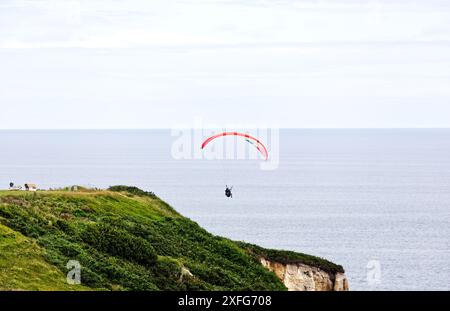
124 239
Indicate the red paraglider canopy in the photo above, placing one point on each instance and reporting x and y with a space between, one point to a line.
259 145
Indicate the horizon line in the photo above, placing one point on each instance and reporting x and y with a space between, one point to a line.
207 128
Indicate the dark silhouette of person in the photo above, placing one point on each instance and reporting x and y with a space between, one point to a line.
228 192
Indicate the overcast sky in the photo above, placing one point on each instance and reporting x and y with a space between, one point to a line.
150 64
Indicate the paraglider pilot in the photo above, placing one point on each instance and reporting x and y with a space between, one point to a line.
228 192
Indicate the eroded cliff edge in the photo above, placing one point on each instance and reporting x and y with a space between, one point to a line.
301 277
301 272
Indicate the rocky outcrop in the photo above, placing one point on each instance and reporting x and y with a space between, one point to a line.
301 277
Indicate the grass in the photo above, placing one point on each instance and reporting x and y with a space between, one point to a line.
23 265
125 239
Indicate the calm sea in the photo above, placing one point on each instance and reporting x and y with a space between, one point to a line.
375 201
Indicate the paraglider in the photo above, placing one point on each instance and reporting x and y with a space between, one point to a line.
228 193
250 139
262 150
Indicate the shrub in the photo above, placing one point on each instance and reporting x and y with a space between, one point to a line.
119 243
132 190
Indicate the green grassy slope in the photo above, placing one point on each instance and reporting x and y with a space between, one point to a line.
124 239
23 267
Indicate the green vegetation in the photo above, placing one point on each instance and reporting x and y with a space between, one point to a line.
132 190
23 266
288 257
125 239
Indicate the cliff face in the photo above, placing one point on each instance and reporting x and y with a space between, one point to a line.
301 277
125 238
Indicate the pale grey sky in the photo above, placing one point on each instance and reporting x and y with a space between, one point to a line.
147 64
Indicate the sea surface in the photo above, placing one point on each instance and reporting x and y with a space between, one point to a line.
375 201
